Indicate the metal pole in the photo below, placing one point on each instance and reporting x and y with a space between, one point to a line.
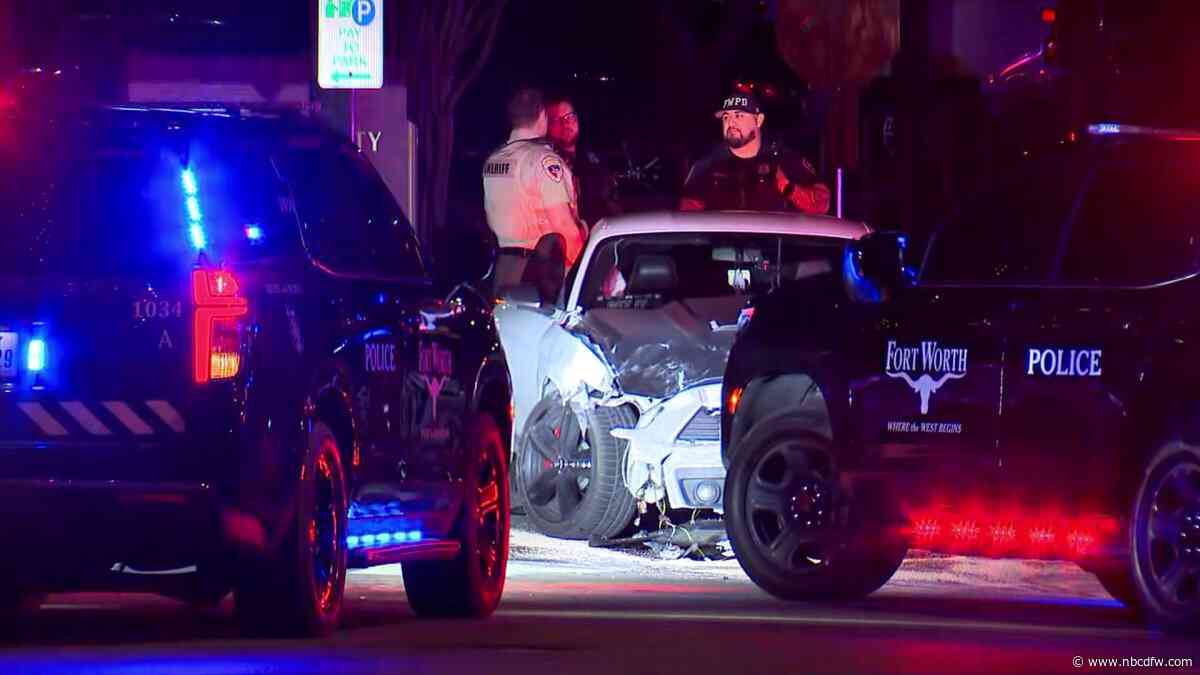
839 191
354 117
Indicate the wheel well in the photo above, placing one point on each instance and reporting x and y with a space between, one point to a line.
333 408
793 394
494 400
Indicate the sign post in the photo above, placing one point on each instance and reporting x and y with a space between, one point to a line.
350 47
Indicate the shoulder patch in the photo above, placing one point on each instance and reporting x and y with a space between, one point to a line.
553 167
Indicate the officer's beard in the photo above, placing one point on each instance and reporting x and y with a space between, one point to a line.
734 139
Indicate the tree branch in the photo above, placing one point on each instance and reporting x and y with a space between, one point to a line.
485 52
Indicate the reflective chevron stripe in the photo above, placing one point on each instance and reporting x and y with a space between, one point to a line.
168 414
44 420
91 419
130 419
85 418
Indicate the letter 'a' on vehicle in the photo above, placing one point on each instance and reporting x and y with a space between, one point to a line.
216 353
735 397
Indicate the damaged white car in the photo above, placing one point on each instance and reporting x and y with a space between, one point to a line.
617 386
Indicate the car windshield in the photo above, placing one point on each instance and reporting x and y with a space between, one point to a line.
647 271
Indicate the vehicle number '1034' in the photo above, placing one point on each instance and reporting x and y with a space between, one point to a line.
157 309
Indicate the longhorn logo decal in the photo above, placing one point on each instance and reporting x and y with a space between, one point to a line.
937 365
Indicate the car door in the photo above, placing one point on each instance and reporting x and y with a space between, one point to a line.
931 377
1079 347
390 343
934 375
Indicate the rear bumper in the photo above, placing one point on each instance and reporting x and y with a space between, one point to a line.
79 535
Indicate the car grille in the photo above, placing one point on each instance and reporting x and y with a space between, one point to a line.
704 427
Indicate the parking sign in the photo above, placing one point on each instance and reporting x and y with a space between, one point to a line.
350 44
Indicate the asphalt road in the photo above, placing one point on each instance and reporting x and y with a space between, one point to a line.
570 609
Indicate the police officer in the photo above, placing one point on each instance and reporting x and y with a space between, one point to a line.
593 182
746 172
529 193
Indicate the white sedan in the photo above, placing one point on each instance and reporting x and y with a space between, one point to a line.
617 386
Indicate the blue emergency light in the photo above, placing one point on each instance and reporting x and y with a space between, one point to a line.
35 356
191 191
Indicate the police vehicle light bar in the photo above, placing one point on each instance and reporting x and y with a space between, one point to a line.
1115 129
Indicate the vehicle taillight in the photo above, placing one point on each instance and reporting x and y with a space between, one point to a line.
216 354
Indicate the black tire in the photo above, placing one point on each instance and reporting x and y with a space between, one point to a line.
470 585
572 485
15 606
1119 584
297 589
1165 538
793 531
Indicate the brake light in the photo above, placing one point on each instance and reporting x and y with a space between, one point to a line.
216 354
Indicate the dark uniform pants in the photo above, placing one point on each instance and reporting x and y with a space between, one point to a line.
544 267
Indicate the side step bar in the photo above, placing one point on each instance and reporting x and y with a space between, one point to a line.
421 550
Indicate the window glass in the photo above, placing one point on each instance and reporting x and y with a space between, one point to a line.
351 222
105 199
1139 221
648 271
1009 233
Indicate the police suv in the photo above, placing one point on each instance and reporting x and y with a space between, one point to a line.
223 367
1031 393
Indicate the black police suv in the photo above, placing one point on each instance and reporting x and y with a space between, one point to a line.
1032 393
223 367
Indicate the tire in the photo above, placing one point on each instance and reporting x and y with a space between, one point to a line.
793 531
15 606
297 589
1119 584
1165 538
571 484
470 585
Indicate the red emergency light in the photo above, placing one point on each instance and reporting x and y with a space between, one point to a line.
991 531
1049 15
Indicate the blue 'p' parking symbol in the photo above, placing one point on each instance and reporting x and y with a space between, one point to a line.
364 12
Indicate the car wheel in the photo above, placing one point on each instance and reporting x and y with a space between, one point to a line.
793 531
571 482
470 585
1165 538
297 589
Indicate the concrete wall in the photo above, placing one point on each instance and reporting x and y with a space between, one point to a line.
382 130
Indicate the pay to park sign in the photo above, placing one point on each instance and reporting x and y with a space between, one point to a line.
350 44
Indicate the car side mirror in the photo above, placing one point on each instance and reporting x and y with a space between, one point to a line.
874 266
521 294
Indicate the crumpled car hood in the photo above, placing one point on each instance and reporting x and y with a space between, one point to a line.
660 352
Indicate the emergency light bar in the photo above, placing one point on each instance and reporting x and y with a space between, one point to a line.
1114 129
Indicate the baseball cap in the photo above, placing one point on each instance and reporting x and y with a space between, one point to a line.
739 100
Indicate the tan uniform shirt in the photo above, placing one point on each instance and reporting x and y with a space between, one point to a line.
521 180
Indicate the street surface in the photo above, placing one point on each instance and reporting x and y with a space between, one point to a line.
572 609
